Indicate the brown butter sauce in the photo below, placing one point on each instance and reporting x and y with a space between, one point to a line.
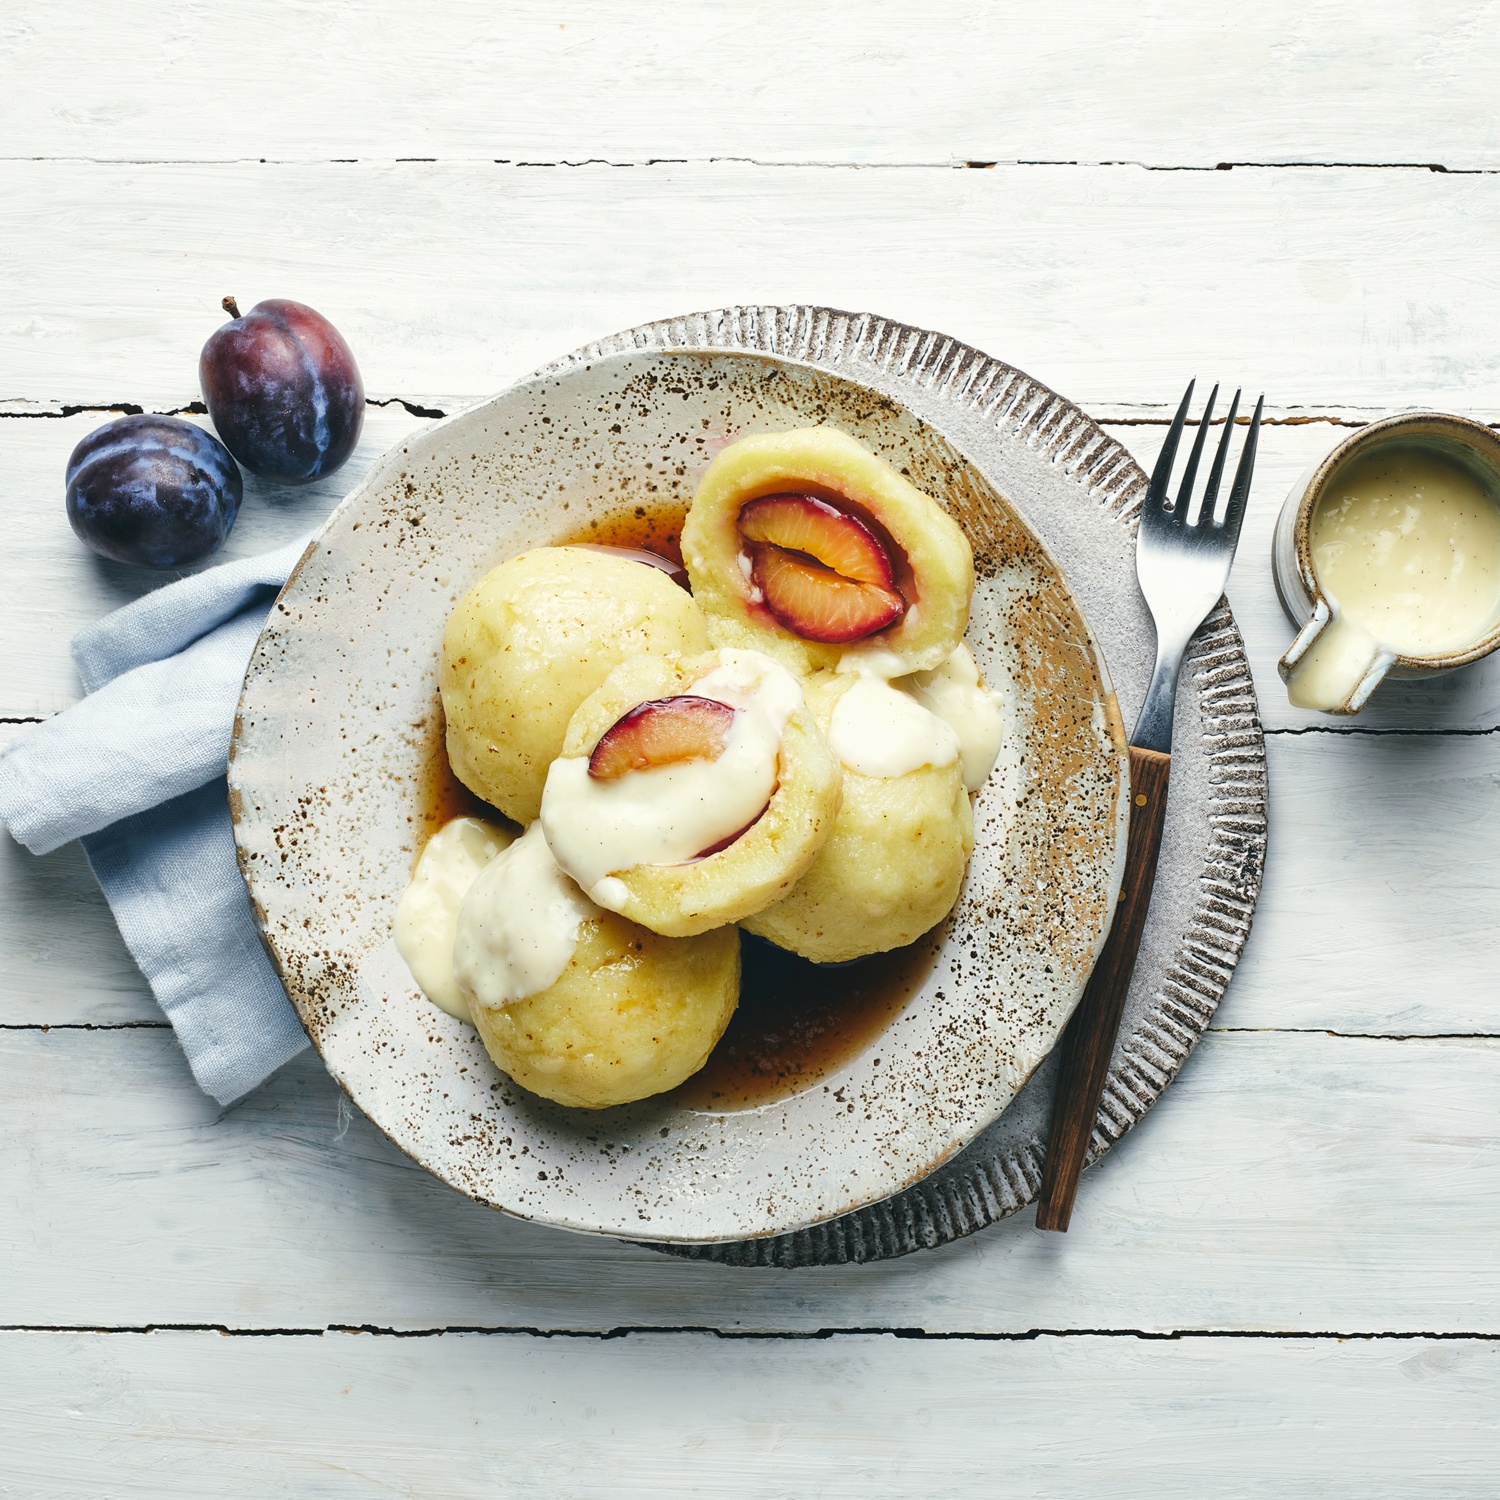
441 796
797 1022
655 529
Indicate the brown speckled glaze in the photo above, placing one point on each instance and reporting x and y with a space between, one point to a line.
329 754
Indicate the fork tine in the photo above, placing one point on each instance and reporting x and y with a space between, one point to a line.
1215 474
1161 475
1234 512
1190 473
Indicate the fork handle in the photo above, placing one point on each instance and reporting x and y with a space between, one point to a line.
1089 1041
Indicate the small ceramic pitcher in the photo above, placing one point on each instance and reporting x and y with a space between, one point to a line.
1350 662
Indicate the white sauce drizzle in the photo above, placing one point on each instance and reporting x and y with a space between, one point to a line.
874 730
427 914
873 661
518 925
877 730
975 714
668 815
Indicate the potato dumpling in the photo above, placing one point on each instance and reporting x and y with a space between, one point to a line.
633 1014
892 867
529 642
807 546
764 861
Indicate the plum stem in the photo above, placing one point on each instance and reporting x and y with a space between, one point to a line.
231 306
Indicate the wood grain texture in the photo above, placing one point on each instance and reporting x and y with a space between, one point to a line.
1285 1183
54 585
873 82
1089 1041
349 1415
1349 286
62 959
1377 913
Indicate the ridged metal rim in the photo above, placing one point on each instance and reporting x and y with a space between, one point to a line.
979 1188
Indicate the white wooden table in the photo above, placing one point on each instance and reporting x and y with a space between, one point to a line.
1286 1281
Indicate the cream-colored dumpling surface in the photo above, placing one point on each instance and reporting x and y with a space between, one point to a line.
632 1015
529 642
893 864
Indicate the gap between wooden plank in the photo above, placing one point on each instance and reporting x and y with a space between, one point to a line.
768 163
1106 414
62 586
1356 729
1280 1186
1353 1036
749 1336
87 1026
15 409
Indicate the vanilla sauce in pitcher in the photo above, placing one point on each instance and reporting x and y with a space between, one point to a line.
1406 545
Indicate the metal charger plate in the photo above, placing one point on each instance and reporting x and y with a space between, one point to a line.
1080 490
319 678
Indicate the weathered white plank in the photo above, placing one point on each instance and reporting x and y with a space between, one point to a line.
345 1415
1382 888
1286 1183
1377 914
874 81
62 960
1110 283
54 586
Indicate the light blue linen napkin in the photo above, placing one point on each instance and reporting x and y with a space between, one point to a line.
136 770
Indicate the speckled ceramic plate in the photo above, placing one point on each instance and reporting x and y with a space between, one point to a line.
332 751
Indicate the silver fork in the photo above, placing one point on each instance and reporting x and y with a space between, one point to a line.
1182 560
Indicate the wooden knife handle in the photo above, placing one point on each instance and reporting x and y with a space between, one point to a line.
1089 1041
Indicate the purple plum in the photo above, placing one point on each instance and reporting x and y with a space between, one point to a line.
283 391
156 491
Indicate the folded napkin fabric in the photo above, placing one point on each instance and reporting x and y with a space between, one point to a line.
136 770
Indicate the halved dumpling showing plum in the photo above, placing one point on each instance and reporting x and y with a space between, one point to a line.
807 546
822 573
646 716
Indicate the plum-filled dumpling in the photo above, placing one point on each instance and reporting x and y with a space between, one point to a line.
578 1004
529 642
807 546
692 791
894 863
